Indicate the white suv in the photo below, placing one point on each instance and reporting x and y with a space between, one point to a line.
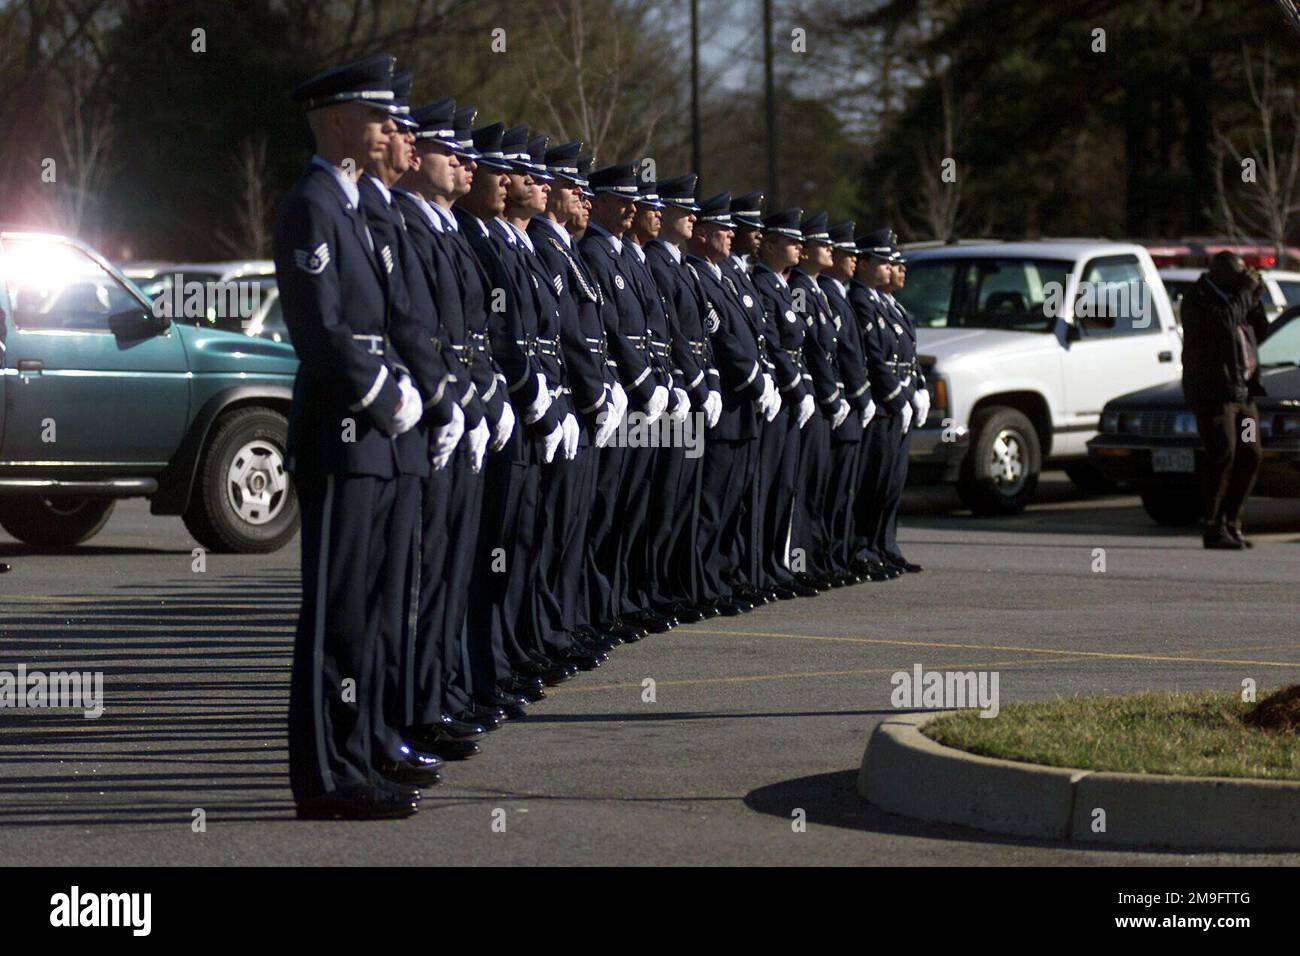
1023 343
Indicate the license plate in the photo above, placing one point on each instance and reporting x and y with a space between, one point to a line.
1173 459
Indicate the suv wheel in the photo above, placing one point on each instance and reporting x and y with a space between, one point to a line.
1000 472
1088 479
1176 509
56 522
243 499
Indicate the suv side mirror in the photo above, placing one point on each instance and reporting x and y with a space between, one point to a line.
135 324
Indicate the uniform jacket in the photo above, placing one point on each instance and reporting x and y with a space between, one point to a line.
689 345
852 359
334 300
625 321
785 335
820 341
734 341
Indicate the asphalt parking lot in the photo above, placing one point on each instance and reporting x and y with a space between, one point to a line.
753 718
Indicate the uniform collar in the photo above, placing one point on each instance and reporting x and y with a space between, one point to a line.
636 248
839 286
507 231
348 186
383 190
522 236
674 252
448 219
614 241
558 229
435 223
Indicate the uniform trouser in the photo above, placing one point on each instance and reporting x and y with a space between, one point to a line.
897 482
881 443
842 486
502 574
632 571
464 511
809 531
680 561
780 467
555 501
726 476
1231 464
340 636
669 508
602 535
575 602
424 690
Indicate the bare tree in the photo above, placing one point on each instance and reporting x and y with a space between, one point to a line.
939 200
252 238
1268 162
84 126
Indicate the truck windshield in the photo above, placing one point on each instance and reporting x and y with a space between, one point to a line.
1021 295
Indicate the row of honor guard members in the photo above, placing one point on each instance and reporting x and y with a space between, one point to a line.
542 411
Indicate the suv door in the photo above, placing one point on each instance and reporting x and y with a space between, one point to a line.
1119 344
91 377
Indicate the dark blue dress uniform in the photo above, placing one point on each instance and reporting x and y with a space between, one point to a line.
622 469
781 442
821 347
908 364
582 345
680 476
510 477
656 504
846 441
730 451
876 508
345 466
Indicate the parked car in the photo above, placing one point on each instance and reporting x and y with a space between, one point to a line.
1281 288
1149 438
1023 343
103 398
221 295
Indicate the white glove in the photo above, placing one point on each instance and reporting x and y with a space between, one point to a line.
607 423
907 416
540 404
806 409
446 437
551 443
922 401
683 409
477 440
712 409
620 402
868 413
571 435
768 398
658 402
504 426
409 410
841 413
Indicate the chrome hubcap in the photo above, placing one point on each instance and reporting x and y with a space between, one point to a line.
1008 461
256 484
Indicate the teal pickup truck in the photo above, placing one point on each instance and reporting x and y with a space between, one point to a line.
105 396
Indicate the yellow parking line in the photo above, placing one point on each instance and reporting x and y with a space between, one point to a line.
749 678
1104 655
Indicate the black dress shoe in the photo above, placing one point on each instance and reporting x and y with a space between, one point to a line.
512 705
876 571
730 609
1236 534
431 739
558 674
529 688
786 594
907 567
460 729
359 802
708 612
626 631
688 614
413 769
1218 539
582 659
489 718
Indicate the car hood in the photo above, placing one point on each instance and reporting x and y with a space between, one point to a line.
949 345
214 350
1281 385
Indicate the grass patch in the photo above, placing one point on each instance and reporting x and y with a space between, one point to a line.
1196 734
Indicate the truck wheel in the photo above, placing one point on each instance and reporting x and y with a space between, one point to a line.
1000 472
54 522
243 499
1089 480
1176 509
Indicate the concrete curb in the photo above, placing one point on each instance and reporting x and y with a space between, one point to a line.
907 773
